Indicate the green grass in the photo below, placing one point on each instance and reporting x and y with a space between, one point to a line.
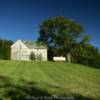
20 80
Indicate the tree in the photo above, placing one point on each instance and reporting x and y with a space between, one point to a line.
32 56
60 35
65 37
5 49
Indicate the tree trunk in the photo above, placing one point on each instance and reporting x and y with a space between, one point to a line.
69 57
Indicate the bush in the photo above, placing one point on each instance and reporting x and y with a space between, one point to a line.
37 57
32 56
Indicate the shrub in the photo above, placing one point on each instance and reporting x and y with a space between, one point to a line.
32 56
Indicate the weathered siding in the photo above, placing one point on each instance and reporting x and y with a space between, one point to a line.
20 52
42 52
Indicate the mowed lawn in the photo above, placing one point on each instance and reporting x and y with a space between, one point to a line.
22 80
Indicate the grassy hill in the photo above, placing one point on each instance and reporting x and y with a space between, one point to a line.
60 80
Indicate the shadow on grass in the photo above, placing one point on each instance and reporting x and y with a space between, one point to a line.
28 91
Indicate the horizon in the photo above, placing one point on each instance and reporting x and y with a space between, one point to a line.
22 18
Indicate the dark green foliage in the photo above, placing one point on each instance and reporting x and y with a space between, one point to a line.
88 55
37 57
59 34
5 49
32 56
63 37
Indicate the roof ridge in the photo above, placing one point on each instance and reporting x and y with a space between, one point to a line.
32 44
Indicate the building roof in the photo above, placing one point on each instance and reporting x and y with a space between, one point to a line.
34 45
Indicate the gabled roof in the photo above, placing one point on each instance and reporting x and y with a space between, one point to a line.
34 45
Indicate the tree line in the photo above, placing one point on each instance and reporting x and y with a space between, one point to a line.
5 49
64 37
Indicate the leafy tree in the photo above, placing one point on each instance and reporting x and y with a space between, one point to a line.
32 56
65 37
5 49
60 35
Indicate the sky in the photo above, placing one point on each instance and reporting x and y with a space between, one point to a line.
20 19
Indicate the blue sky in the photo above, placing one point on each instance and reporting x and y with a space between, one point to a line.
20 19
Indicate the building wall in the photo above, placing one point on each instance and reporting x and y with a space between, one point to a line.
20 52
42 52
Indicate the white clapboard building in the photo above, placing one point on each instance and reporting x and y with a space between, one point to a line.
21 50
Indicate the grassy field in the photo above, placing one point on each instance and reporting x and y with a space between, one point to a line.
48 81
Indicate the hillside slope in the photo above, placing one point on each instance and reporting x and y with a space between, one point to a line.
27 80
